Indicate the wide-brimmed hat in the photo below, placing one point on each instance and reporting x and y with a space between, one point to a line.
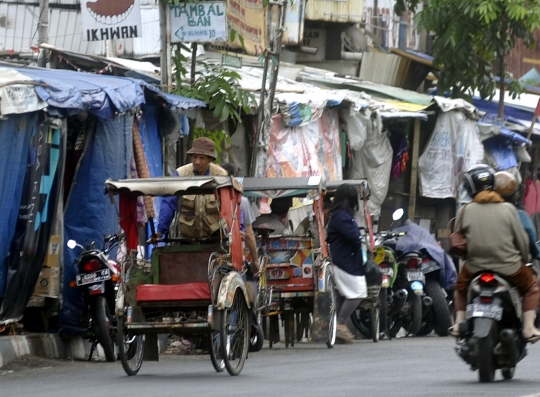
203 146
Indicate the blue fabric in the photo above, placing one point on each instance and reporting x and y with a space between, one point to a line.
101 95
15 133
418 238
502 152
343 236
531 232
89 214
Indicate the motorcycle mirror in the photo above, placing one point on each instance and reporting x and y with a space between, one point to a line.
398 214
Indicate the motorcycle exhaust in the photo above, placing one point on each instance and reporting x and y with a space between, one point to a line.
508 340
399 299
427 301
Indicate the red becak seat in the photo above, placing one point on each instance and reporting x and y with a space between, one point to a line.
175 292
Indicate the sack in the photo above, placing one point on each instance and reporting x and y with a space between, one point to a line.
373 273
458 244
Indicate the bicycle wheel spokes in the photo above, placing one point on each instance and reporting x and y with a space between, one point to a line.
130 349
235 334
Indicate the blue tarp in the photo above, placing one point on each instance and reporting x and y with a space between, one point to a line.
89 214
74 92
418 238
15 134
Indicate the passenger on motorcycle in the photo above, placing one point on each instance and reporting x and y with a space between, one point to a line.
496 240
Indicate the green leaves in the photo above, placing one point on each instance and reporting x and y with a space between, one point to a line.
471 35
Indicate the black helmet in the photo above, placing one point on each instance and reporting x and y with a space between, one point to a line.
479 177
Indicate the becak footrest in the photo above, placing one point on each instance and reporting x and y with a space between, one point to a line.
175 292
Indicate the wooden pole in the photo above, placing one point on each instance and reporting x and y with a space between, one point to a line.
165 39
414 170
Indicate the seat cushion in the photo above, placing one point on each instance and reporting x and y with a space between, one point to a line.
175 292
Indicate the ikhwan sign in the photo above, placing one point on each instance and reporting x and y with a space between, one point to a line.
198 22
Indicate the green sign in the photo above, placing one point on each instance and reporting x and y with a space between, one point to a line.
231 60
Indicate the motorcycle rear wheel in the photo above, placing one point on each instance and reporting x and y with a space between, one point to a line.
105 328
374 319
442 319
130 348
383 312
486 359
414 322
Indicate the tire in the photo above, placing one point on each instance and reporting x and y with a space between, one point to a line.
215 352
257 342
508 373
486 358
234 334
360 321
105 328
130 348
374 319
427 325
332 312
383 312
394 327
442 319
414 322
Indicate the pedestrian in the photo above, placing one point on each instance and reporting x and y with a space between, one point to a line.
343 236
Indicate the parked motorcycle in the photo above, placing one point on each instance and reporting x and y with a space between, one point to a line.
409 284
438 316
490 338
98 277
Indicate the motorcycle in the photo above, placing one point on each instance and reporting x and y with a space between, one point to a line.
98 278
490 338
438 315
409 284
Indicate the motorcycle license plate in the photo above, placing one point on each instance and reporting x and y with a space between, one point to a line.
415 276
485 311
430 266
95 277
387 271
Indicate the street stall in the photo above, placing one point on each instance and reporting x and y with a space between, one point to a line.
63 134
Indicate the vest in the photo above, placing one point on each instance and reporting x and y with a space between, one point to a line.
199 215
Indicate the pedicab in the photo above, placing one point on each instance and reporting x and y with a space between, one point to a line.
295 284
366 318
192 287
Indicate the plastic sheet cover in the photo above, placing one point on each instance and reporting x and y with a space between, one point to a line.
454 147
89 214
313 149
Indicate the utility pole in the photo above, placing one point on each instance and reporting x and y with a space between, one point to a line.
43 31
266 104
165 39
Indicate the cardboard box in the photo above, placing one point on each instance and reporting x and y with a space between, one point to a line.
53 251
48 283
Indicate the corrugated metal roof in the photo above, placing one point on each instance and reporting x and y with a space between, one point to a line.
19 32
335 11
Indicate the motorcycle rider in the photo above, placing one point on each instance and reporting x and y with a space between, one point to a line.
496 240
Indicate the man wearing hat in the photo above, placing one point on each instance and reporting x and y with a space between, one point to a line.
199 215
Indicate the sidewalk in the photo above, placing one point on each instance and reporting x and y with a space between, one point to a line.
44 345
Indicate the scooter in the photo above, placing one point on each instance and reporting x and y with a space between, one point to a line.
490 338
98 278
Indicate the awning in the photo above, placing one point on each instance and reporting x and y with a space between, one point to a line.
70 92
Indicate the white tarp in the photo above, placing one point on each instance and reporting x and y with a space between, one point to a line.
18 98
371 154
453 148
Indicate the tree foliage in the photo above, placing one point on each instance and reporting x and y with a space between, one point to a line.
472 36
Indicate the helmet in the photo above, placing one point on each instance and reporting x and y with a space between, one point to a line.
479 177
506 184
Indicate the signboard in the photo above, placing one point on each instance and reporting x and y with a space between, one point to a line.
231 60
202 22
248 19
110 19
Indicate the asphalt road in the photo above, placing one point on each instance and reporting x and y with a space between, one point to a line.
401 367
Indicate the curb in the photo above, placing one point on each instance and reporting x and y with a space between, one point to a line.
53 346
43 345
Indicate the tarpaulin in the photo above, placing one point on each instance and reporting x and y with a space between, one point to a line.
40 194
454 147
15 134
72 92
313 149
89 214
418 238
